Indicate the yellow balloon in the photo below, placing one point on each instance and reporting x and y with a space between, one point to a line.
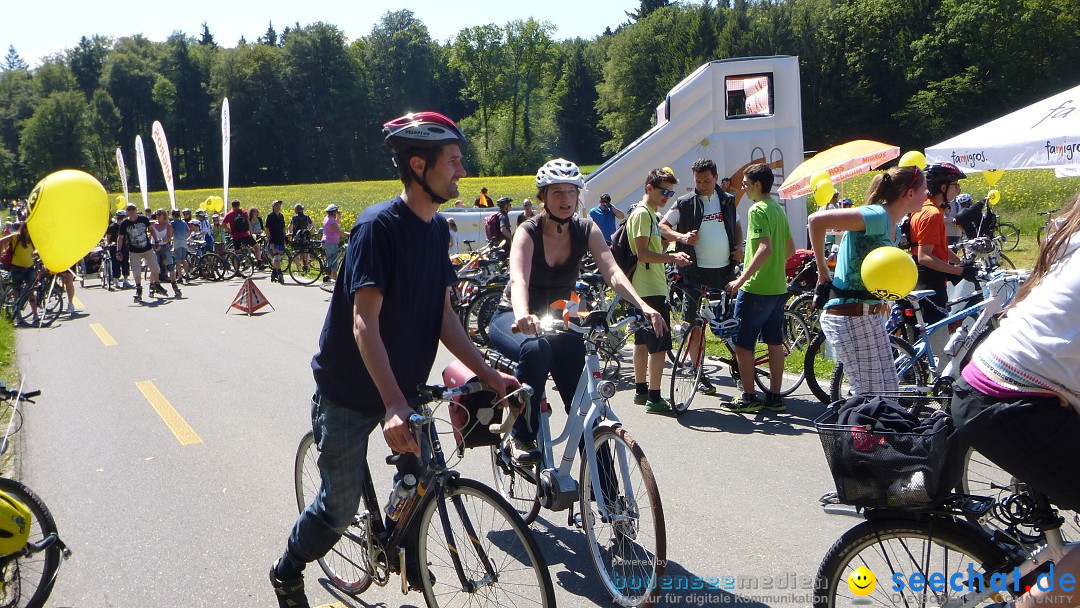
214 203
121 203
817 177
992 176
889 273
823 191
994 197
913 158
202 205
69 211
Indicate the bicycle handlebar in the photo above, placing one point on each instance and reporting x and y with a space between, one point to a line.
6 393
551 325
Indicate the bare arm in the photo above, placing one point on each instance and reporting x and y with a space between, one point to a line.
619 214
820 222
928 260
367 303
644 254
521 253
455 339
764 250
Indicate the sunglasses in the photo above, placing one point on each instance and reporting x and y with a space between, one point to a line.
665 191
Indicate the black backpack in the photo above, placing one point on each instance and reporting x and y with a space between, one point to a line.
624 256
240 223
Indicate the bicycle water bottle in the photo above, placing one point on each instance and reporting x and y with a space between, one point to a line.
400 495
958 337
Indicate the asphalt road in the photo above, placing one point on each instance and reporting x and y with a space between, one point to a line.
194 515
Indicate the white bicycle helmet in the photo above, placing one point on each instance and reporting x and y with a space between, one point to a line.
559 171
332 209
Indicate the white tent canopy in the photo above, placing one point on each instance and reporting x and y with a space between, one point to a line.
1044 135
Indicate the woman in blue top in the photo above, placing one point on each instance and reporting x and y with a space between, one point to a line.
853 320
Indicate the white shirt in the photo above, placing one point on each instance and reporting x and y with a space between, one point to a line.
712 249
1040 335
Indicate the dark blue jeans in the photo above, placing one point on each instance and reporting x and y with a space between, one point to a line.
342 436
561 355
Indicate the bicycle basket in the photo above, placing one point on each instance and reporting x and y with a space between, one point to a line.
893 451
470 415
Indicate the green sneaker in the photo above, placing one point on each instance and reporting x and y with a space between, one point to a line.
705 387
659 407
746 405
641 398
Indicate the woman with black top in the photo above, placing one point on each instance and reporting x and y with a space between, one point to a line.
544 260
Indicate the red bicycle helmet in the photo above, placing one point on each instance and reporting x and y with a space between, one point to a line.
942 173
421 130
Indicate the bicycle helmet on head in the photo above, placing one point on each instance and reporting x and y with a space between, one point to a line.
559 171
298 207
331 209
15 522
506 200
941 173
420 132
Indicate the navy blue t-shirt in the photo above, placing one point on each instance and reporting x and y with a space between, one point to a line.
406 258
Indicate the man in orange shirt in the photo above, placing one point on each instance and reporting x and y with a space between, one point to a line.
930 246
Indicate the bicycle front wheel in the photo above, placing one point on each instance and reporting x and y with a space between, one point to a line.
27 580
894 550
346 565
479 313
686 369
1010 236
628 546
475 550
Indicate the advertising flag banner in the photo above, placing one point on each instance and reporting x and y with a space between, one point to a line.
162 147
225 144
123 171
140 166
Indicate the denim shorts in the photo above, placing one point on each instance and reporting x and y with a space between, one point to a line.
758 314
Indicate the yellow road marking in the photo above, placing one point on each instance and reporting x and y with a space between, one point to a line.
77 302
176 423
106 339
334 605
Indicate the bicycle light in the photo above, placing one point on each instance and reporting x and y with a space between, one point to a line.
606 389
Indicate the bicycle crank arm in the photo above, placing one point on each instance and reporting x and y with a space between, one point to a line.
401 570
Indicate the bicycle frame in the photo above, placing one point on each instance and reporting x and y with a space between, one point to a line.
588 410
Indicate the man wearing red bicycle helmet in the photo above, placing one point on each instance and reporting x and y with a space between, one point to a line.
389 310
930 247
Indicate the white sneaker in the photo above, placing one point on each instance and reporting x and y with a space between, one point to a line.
126 284
71 309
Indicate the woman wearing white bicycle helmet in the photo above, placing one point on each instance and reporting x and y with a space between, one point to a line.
545 258
331 240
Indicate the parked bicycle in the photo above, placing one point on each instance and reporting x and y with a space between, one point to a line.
923 544
718 310
618 502
1048 227
473 548
30 550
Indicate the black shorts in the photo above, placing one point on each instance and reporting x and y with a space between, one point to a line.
646 336
248 240
1035 439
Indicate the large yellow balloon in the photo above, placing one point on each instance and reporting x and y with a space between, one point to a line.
817 177
214 203
992 176
69 211
994 197
823 191
913 158
889 273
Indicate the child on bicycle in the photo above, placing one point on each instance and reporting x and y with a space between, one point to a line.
545 258
853 320
1018 400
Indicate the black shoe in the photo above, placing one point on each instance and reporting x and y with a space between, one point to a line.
774 403
138 294
290 593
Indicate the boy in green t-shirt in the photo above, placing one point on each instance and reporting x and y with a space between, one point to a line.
762 291
642 227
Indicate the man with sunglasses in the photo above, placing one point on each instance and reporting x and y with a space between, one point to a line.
704 225
650 282
930 247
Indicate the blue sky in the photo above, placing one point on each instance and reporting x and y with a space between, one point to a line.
38 28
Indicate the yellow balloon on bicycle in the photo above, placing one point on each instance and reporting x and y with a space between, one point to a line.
69 211
889 273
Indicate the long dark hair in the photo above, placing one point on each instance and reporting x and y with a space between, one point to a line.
23 237
890 185
1053 247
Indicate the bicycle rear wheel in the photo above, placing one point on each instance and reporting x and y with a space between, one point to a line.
479 313
475 550
686 369
629 546
818 367
28 580
796 336
305 272
516 484
346 565
916 374
901 548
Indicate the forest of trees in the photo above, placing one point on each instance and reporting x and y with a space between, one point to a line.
307 104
